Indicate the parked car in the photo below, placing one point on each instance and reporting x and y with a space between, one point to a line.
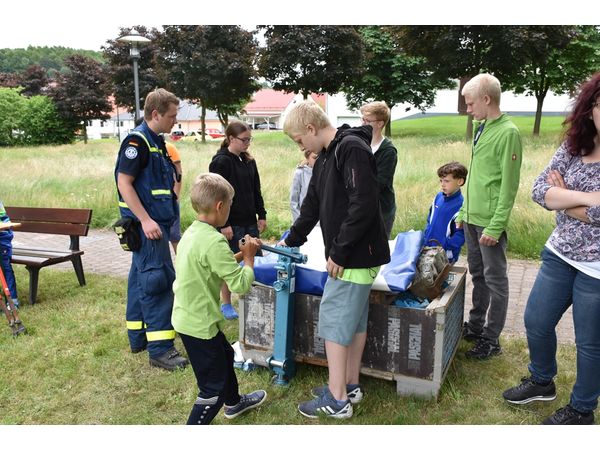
211 133
266 126
177 134
214 133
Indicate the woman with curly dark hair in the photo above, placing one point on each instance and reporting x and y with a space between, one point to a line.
570 271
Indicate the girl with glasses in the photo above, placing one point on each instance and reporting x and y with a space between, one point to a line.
248 215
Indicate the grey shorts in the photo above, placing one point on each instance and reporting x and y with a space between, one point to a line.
344 310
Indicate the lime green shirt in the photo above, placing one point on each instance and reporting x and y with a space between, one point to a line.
204 260
365 275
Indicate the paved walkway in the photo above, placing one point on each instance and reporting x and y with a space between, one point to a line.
104 256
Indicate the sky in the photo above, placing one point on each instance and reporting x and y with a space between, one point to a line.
74 24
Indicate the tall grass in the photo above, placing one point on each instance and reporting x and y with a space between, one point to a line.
81 176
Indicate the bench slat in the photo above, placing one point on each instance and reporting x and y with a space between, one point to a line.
39 261
60 215
68 229
41 254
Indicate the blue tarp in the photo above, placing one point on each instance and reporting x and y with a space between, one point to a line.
395 276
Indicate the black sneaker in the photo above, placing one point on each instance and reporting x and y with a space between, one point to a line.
530 391
567 415
484 349
247 402
170 360
469 335
355 394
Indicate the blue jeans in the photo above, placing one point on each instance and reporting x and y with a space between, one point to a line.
558 286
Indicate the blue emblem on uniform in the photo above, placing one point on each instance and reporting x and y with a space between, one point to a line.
131 152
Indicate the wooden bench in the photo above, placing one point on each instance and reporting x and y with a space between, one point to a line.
61 221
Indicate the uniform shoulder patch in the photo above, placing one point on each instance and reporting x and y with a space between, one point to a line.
131 152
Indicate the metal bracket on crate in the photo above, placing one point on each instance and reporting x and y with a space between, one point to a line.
282 361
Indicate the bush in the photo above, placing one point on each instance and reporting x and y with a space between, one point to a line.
11 107
41 123
31 121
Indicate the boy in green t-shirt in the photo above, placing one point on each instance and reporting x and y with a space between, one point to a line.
204 261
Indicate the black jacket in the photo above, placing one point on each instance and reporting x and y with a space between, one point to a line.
243 176
386 159
343 194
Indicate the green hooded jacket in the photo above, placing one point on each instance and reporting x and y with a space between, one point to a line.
493 179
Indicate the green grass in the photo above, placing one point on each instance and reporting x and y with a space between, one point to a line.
81 176
74 367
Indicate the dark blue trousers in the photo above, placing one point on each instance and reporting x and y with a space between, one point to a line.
150 296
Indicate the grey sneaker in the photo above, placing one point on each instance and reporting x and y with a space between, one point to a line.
325 406
530 391
247 402
170 360
354 392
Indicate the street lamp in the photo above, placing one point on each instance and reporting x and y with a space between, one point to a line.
134 38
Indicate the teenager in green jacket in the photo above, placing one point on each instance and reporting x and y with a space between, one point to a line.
490 193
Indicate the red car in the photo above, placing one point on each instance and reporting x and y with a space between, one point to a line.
214 133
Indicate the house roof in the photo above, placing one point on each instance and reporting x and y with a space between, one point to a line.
270 101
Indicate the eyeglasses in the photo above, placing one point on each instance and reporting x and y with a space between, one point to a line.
244 140
365 120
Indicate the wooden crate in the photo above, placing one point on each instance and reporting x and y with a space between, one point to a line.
413 347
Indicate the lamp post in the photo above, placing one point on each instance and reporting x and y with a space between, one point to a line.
134 38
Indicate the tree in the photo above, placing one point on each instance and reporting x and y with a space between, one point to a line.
310 59
461 52
50 58
9 80
81 94
525 58
120 67
212 66
34 80
389 75
559 59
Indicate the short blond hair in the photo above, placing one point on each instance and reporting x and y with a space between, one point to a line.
208 189
482 85
379 110
159 100
300 116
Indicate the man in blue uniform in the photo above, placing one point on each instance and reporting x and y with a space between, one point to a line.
145 180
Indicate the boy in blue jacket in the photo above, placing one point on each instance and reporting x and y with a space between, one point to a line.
441 223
